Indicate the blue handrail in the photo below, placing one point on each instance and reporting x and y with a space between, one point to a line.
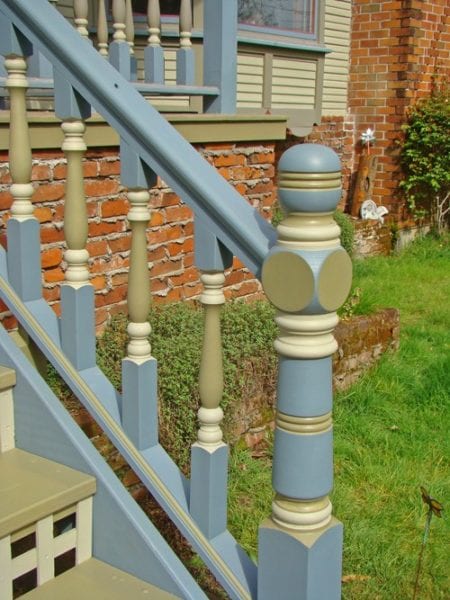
238 226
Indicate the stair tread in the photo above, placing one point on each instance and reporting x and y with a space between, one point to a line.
32 487
96 580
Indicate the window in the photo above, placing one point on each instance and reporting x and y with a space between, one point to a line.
167 7
287 15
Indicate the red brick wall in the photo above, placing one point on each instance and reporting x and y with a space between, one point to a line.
250 169
399 50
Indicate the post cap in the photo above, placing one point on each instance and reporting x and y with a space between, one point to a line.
309 179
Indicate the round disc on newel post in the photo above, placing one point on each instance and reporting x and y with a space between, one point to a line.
307 277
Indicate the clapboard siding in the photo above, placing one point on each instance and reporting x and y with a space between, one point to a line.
293 83
250 80
65 7
336 69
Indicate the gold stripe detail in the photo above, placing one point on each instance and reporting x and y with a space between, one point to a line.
304 425
309 181
117 431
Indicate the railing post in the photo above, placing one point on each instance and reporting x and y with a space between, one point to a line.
102 29
24 262
307 277
81 11
185 54
139 367
77 294
209 456
154 53
119 50
129 34
220 54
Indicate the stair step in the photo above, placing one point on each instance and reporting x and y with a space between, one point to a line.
32 487
96 580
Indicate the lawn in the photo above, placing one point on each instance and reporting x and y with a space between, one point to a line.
392 435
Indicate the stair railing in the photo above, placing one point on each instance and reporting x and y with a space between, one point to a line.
306 275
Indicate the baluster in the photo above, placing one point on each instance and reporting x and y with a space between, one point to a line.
154 54
77 294
23 228
307 277
220 54
185 54
209 456
81 11
139 368
129 32
102 29
119 50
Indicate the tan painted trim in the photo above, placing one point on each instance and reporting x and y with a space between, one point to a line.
45 131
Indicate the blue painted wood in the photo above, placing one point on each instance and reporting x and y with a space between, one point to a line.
209 489
308 568
44 315
12 41
3 72
185 66
140 402
134 173
39 66
210 253
68 102
154 64
24 258
303 464
304 387
78 325
167 484
122 534
225 212
119 57
220 54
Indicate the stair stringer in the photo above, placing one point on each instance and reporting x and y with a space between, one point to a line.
123 536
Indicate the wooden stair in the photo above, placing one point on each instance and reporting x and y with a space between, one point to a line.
46 527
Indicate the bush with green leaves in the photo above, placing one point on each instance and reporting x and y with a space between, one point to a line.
425 159
248 331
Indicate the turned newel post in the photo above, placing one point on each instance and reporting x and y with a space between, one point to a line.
307 277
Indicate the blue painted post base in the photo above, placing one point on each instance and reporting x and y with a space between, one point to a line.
185 66
24 258
119 57
208 498
303 565
140 402
78 325
154 64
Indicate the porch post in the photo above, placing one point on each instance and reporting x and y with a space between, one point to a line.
220 54
307 277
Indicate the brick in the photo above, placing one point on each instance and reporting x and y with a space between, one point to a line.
48 192
113 208
54 275
51 257
40 172
101 187
110 167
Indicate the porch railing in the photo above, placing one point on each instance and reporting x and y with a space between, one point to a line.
173 74
305 273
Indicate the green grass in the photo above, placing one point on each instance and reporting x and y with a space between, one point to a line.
392 434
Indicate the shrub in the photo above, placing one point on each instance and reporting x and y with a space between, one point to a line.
425 159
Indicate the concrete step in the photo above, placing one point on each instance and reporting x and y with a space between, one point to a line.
32 488
96 580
